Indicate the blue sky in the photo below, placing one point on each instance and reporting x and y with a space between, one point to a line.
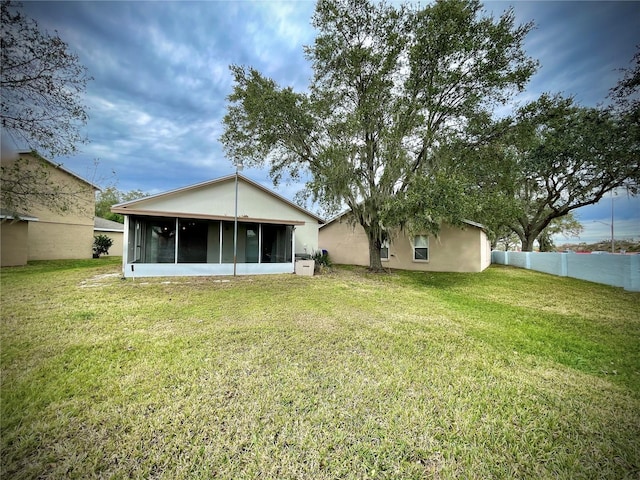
161 79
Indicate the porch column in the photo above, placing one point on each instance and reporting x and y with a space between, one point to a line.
293 248
125 243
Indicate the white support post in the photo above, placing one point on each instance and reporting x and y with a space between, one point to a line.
125 244
175 248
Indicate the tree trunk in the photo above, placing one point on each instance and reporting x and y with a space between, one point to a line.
375 263
530 235
527 243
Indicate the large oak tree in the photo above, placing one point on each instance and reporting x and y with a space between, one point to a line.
390 84
554 158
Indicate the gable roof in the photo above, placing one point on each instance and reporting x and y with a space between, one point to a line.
134 206
16 216
105 225
342 214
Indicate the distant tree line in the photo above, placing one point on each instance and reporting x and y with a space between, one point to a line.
628 246
110 196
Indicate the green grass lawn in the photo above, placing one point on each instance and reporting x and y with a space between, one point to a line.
504 374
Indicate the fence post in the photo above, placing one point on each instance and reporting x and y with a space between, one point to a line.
506 257
632 282
564 264
527 260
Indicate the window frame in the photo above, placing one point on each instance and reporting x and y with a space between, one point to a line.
384 246
415 247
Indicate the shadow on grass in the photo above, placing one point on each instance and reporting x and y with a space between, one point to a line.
438 280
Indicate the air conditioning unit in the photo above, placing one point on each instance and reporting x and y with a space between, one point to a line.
305 267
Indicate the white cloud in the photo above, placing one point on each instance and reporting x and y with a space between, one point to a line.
161 71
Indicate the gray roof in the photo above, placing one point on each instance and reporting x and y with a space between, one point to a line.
17 216
107 225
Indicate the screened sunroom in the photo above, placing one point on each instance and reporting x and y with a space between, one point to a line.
209 243
195 231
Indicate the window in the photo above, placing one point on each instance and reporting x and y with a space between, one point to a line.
276 243
384 251
248 242
227 241
421 248
192 241
249 234
134 249
159 240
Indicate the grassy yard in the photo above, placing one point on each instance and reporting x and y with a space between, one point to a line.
505 374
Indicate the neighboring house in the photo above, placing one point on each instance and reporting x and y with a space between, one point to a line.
113 230
190 231
455 249
14 238
46 233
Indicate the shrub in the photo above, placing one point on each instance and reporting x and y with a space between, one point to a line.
101 245
322 260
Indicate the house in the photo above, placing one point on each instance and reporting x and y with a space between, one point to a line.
40 231
192 231
14 238
113 230
455 249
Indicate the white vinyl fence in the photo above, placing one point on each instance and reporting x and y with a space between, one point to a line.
617 270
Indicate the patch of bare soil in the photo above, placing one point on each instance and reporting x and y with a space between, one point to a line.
99 280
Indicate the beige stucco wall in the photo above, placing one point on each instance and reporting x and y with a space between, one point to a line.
49 241
14 247
62 235
455 250
346 243
118 242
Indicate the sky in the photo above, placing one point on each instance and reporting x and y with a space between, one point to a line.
161 78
